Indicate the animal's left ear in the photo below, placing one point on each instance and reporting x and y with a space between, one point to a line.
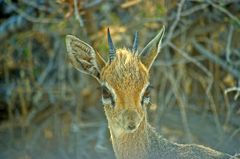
150 52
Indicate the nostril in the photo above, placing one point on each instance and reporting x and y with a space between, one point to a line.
131 126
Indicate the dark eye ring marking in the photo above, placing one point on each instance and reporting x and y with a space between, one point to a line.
107 95
146 95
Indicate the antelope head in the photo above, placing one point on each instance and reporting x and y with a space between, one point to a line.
124 78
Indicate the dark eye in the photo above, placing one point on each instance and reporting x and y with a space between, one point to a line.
147 92
107 96
106 93
146 95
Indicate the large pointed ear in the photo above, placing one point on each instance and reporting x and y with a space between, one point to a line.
150 52
83 57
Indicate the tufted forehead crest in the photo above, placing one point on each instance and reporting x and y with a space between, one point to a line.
126 70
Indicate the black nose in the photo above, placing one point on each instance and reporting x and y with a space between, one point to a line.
131 126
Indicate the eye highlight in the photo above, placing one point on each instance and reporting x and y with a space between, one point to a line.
146 95
107 97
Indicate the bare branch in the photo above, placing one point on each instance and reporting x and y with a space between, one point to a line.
184 54
229 42
13 25
174 25
233 17
76 12
216 59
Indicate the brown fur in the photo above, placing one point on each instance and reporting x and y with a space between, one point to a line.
127 77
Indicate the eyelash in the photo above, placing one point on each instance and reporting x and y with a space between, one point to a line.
107 95
146 95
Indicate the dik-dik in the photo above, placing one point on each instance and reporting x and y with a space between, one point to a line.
124 80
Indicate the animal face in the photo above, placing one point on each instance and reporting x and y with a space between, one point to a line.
124 83
124 79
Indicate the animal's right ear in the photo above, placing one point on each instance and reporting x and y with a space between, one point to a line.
83 57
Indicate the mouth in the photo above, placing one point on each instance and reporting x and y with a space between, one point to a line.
130 131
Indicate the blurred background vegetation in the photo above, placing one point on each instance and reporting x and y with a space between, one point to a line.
49 110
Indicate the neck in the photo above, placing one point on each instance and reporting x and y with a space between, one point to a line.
140 144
